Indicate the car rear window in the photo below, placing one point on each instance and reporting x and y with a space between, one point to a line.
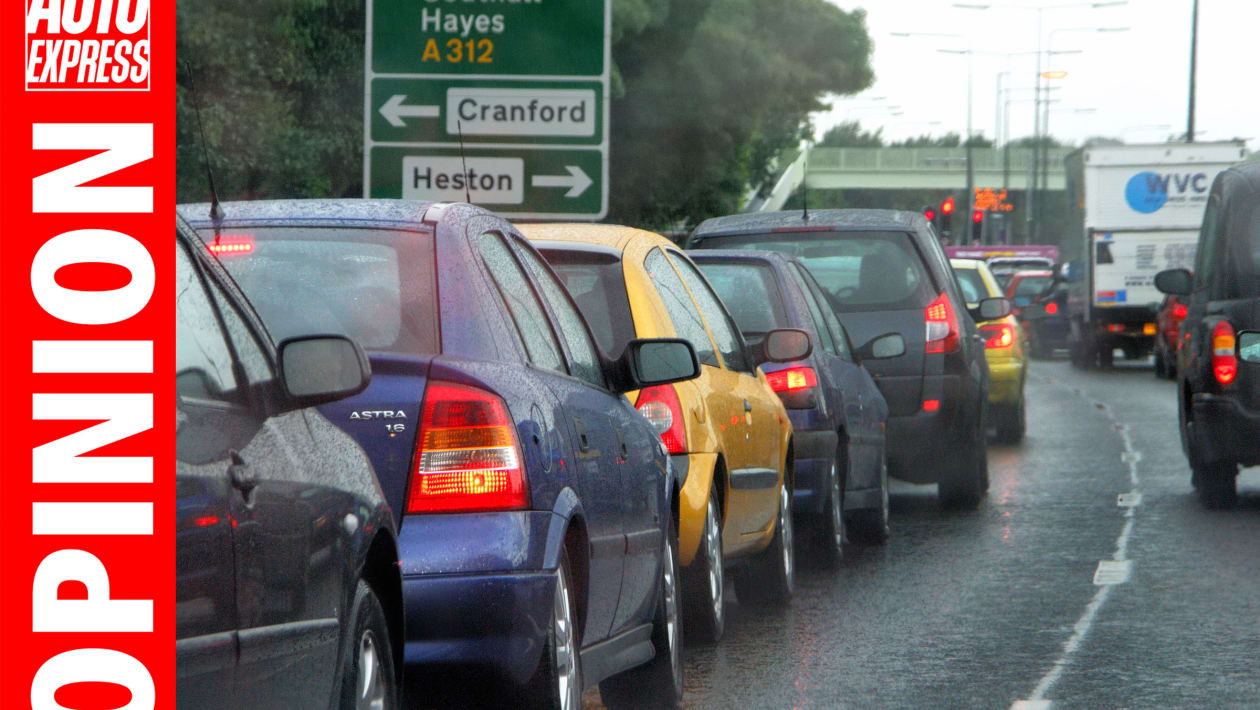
598 286
373 285
1032 286
972 284
750 293
859 270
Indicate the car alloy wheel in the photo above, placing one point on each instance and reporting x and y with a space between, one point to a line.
785 534
837 509
713 548
568 694
669 588
372 685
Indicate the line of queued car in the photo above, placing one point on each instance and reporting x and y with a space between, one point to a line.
424 453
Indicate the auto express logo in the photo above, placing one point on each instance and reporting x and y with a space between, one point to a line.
1148 192
87 45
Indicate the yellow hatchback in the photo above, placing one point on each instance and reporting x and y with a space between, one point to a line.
727 432
1005 348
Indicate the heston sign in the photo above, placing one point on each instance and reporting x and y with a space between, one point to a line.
524 86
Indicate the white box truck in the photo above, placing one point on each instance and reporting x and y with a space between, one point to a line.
1138 211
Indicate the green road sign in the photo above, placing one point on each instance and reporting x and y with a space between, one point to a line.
487 111
518 183
524 83
525 38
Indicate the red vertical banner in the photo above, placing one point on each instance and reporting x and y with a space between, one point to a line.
87 174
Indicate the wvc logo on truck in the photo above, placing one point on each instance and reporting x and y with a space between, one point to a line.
94 45
1148 191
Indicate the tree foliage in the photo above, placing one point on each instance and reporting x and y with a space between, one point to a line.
706 94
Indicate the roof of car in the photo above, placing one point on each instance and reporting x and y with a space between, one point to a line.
1249 171
608 235
846 219
1031 273
966 263
742 254
344 212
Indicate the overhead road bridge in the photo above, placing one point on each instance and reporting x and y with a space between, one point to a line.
905 169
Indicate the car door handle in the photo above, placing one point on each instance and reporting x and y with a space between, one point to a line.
243 478
584 444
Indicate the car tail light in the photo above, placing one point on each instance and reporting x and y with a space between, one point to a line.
942 326
999 335
792 379
232 244
1224 361
1115 328
468 457
1052 308
663 411
1179 312
931 405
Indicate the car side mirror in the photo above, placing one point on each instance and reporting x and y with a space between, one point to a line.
883 347
992 309
786 345
322 368
1175 282
1249 346
658 361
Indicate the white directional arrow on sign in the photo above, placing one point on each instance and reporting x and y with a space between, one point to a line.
577 181
394 110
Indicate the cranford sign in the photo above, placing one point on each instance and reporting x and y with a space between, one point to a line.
523 84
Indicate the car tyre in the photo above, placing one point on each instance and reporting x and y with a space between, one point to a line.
659 682
963 487
1218 484
557 684
771 577
368 677
871 526
830 534
704 582
1013 425
1161 365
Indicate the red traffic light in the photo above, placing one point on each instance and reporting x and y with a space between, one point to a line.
947 207
929 214
977 216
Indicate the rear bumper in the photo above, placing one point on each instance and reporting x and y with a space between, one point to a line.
1051 333
1006 381
813 452
919 444
1226 430
492 623
480 606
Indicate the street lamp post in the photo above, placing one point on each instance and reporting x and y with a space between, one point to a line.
1040 10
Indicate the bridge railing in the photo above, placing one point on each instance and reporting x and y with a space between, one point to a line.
926 159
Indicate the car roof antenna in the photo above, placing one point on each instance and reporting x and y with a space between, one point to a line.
459 126
805 186
216 209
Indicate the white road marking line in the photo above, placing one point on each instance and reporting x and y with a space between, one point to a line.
1119 561
1131 499
1113 572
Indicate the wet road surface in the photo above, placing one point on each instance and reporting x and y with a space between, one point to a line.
998 608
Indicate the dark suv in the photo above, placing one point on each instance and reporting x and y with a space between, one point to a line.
1220 396
884 271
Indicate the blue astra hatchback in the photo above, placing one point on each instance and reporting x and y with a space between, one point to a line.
837 412
536 521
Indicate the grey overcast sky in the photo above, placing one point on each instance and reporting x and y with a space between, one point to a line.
1131 85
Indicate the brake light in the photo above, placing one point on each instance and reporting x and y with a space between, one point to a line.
792 379
1000 335
1115 328
942 326
229 244
660 406
468 457
1179 312
1052 308
931 405
1224 362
